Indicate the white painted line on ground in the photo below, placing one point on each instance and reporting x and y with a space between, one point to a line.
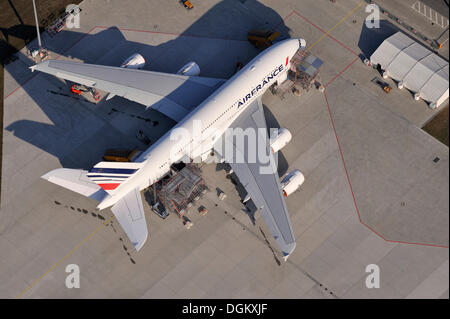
430 14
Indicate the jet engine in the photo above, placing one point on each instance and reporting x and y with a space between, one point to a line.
279 140
292 182
136 61
190 69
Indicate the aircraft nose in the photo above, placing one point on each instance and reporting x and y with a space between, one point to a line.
302 42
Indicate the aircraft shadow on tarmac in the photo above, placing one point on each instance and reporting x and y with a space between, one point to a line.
371 38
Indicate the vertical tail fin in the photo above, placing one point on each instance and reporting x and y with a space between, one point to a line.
110 175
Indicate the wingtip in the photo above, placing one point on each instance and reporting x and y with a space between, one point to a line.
54 172
139 244
47 175
286 255
39 65
110 96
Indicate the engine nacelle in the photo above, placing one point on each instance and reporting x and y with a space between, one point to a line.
292 182
190 69
280 139
136 61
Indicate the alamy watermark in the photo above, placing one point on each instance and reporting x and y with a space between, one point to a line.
235 145
373 19
73 279
373 279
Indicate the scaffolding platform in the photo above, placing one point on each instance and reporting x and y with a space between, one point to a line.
301 75
178 192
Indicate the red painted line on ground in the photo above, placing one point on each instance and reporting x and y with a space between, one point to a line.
343 45
353 194
288 16
304 18
284 19
32 76
328 35
343 70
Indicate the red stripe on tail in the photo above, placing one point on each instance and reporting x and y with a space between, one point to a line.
108 187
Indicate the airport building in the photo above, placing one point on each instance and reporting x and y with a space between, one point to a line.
414 67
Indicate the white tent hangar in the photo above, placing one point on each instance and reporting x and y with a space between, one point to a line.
414 67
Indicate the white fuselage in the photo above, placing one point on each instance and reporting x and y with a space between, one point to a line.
201 128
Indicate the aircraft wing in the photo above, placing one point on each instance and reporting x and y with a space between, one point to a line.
171 94
259 176
130 214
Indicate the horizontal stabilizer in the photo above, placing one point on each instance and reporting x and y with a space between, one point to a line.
75 180
129 212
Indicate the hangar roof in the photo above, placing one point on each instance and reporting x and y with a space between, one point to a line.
420 69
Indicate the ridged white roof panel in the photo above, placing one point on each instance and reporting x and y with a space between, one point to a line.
420 69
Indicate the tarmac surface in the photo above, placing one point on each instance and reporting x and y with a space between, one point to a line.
376 189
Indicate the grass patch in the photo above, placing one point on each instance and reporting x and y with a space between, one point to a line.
438 126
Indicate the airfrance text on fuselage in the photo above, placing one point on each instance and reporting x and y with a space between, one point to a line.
265 81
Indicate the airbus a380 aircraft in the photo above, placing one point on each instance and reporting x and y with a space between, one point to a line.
206 105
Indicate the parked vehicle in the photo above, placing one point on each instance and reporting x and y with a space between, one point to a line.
121 155
262 38
80 89
187 4
159 210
